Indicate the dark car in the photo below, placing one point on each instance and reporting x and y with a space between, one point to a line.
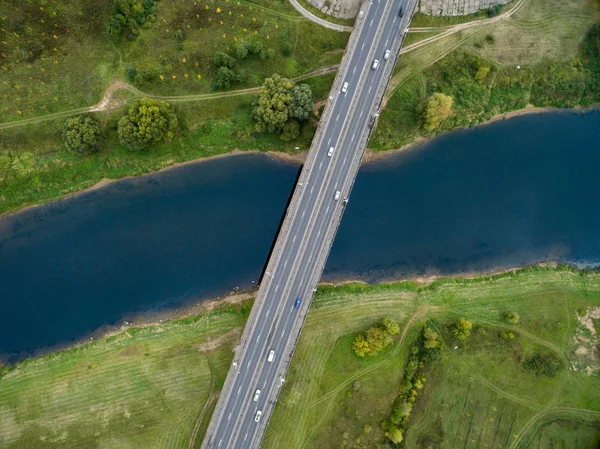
401 12
298 301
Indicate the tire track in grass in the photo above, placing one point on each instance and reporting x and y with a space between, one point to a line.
558 410
416 316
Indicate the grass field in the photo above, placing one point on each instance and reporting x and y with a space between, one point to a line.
156 386
56 56
534 57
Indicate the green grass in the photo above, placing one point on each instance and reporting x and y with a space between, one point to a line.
57 57
423 20
144 387
149 387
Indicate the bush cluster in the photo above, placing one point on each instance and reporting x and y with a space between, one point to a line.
128 17
281 106
224 64
375 339
146 122
428 348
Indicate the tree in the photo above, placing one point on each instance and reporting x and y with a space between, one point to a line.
367 428
270 53
360 346
255 47
281 105
512 317
395 435
273 107
81 134
430 339
147 122
377 339
391 326
462 329
437 109
241 51
303 101
482 73
221 59
290 131
225 77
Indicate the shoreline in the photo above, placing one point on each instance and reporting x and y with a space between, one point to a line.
299 158
195 307
371 155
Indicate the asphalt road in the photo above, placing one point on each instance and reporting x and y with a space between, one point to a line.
294 273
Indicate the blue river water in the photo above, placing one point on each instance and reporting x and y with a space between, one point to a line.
511 193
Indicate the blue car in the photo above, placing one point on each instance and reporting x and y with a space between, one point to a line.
298 301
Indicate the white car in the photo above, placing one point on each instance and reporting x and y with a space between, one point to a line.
256 395
330 152
386 55
257 416
337 195
271 355
375 64
345 87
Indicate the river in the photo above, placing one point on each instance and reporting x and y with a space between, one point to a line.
510 193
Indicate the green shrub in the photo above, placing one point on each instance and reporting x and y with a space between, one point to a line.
147 122
543 364
81 134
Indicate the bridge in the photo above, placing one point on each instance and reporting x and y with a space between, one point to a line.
298 258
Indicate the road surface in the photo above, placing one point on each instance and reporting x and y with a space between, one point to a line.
295 269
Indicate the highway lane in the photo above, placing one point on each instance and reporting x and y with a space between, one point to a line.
283 269
255 353
359 121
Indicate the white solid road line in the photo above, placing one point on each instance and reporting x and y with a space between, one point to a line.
311 255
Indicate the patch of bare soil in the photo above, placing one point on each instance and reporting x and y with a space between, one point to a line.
585 352
212 344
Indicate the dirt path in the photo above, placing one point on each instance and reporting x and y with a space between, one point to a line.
109 101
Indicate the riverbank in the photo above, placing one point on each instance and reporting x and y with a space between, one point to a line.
153 385
373 155
193 307
300 157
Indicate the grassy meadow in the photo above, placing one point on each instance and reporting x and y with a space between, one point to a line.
55 56
156 386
